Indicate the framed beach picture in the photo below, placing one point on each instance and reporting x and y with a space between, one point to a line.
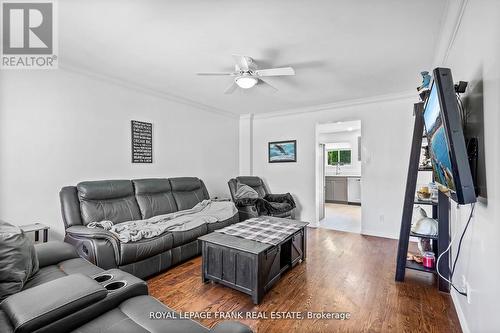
282 151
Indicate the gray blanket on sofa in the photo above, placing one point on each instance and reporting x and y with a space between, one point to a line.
206 211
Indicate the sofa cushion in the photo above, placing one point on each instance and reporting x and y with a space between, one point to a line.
111 200
133 315
245 192
254 182
145 248
62 269
54 252
188 191
18 259
186 236
154 197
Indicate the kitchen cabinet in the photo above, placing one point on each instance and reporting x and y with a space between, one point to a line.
340 189
336 189
343 189
328 189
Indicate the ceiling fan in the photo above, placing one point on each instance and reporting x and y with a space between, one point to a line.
246 74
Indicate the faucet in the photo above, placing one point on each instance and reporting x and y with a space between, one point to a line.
337 168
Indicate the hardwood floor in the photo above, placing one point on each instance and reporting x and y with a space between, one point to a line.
344 272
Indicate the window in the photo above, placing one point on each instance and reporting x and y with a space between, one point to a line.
339 156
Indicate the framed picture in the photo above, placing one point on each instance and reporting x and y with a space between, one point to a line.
142 141
282 151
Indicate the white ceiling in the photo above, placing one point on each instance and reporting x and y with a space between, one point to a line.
340 49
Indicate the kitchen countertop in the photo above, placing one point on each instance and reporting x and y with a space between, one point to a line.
344 176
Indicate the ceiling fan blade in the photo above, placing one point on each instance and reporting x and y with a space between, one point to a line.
275 71
216 74
267 85
231 88
243 62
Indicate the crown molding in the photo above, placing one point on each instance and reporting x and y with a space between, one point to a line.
147 90
451 22
337 105
247 116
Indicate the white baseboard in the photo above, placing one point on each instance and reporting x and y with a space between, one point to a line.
460 313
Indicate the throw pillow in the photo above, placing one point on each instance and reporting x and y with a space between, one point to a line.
245 192
18 259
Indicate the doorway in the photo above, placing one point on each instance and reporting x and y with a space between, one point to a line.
339 175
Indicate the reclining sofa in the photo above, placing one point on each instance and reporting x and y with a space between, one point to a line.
69 294
126 200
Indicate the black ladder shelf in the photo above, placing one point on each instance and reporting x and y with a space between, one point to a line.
440 211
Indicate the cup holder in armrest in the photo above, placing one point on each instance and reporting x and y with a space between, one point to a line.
113 286
103 277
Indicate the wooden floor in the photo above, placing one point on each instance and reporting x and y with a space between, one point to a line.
344 272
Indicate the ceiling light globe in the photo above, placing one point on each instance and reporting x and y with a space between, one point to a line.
246 82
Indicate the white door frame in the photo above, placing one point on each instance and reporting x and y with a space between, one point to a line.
318 164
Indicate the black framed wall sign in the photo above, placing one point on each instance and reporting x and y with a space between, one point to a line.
142 141
282 151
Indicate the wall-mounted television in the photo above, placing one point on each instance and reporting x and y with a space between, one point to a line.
445 136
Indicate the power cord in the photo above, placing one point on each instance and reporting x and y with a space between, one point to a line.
464 114
462 238
458 253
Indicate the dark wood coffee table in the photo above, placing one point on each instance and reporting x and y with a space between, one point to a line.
250 266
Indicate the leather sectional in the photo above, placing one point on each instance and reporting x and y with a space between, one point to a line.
70 294
125 200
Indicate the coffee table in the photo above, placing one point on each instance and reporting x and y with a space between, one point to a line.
250 266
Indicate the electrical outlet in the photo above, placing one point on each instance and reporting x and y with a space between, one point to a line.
468 292
381 218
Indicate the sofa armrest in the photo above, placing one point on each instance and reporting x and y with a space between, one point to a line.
34 308
244 202
52 253
231 327
282 198
97 245
98 233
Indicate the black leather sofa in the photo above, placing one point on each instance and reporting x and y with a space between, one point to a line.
70 294
249 211
125 200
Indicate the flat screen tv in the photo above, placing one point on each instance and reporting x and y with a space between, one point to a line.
445 136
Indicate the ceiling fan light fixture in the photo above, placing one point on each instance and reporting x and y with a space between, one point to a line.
247 74
246 82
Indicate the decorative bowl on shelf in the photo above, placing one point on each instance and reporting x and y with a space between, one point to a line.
423 195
